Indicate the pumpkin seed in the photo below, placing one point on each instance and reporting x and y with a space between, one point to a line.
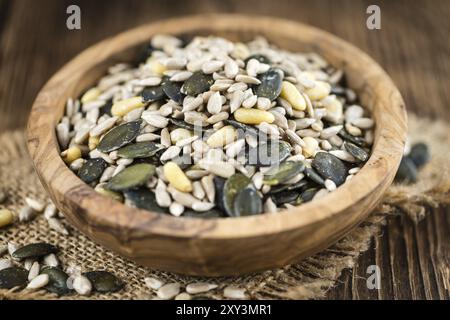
140 150
182 124
247 202
270 86
92 170
355 140
143 199
197 84
419 154
242 128
120 136
289 187
13 277
285 197
312 175
35 250
269 154
132 177
103 281
407 171
234 185
330 167
308 194
152 94
261 58
173 91
57 280
357 152
286 171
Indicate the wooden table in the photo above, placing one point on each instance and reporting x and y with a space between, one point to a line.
412 46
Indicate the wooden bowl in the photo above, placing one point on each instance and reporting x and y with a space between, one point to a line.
221 246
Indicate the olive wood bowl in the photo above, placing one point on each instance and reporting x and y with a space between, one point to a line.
230 246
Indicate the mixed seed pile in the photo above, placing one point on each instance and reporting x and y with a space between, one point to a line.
212 128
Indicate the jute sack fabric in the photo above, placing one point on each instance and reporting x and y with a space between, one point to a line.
309 279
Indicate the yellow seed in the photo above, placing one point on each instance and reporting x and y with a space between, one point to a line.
176 177
293 96
121 108
179 134
156 67
108 193
93 142
311 146
222 137
72 154
90 95
320 91
253 116
6 218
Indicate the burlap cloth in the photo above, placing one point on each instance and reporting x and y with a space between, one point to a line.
308 279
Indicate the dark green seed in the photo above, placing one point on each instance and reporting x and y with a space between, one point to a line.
132 177
120 136
211 214
270 86
289 187
355 140
407 171
103 281
359 153
261 58
285 197
57 280
330 167
247 202
197 83
308 195
140 150
420 154
173 91
181 124
243 128
143 199
312 175
152 94
92 170
35 250
269 154
13 277
284 172
233 186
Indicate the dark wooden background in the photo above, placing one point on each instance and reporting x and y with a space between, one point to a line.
413 46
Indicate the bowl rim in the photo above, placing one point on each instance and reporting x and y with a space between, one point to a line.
41 128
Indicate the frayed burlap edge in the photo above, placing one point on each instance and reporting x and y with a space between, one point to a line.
309 279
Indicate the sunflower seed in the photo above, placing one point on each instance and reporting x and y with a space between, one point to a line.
153 283
5 264
234 293
51 260
200 287
82 285
34 271
26 214
57 225
169 291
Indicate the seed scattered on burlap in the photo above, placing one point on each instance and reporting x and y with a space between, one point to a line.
35 204
183 296
153 283
34 271
5 263
38 282
232 292
169 291
6 217
200 287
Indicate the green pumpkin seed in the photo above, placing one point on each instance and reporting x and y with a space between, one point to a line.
211 214
285 197
359 153
308 195
359 141
132 177
181 124
120 136
57 280
407 171
173 91
140 150
243 129
152 94
143 199
13 277
270 86
289 187
247 202
232 187
312 175
35 250
103 281
330 167
284 172
420 154
197 83
261 58
268 154
92 170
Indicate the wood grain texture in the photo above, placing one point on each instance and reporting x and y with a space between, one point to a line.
219 247
412 46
